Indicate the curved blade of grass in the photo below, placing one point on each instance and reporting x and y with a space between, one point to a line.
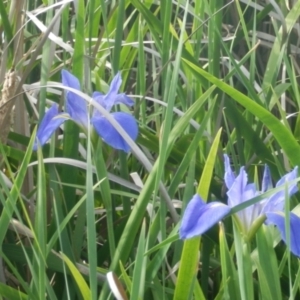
189 258
274 63
229 273
296 283
170 95
94 14
66 220
267 262
138 279
11 264
163 247
90 222
82 286
9 206
154 24
132 226
283 136
11 293
106 196
214 30
181 169
244 264
40 225
126 279
6 25
38 49
71 132
118 36
48 53
252 138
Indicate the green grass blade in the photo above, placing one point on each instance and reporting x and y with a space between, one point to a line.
6 24
40 241
170 93
106 196
11 293
9 206
268 262
187 270
189 257
71 131
90 222
118 36
283 136
81 284
244 265
229 274
138 279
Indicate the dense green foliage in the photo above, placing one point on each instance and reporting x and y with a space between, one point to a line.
207 77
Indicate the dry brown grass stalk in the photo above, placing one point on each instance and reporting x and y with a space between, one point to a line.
7 103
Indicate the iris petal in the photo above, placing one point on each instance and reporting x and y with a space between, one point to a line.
276 201
238 188
75 105
51 121
110 135
115 84
240 192
124 99
119 99
250 213
111 96
289 177
266 181
229 176
278 219
99 98
199 217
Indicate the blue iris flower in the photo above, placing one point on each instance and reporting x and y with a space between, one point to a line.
200 216
77 110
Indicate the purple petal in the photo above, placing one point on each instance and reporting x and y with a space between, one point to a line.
124 99
229 175
266 181
115 84
97 94
278 219
198 217
51 121
99 98
104 101
276 202
250 213
110 135
239 191
111 96
75 105
289 177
